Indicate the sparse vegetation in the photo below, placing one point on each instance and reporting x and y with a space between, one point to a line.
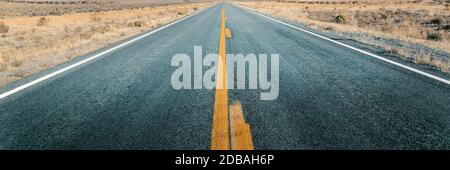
3 28
137 24
427 58
424 24
86 35
16 63
35 43
62 7
328 28
399 52
423 58
434 36
339 19
42 21
446 28
441 65
436 21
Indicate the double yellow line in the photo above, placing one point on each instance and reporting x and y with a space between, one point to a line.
221 139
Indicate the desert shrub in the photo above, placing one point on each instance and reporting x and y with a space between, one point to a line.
86 35
383 16
136 24
392 51
180 13
434 36
3 28
446 27
436 21
16 62
42 21
397 51
339 19
423 58
195 8
57 12
329 28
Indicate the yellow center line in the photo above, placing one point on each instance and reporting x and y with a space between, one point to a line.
240 137
220 139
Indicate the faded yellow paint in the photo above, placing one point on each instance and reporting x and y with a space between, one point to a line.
240 135
228 32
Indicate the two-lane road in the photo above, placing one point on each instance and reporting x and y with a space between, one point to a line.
330 97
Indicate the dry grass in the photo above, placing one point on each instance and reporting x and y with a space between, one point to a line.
3 28
61 7
42 21
33 44
423 58
427 58
421 23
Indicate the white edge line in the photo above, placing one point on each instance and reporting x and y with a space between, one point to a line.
353 48
31 83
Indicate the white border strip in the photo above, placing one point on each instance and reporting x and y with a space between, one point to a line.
353 48
17 89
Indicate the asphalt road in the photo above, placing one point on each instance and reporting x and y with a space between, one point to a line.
330 97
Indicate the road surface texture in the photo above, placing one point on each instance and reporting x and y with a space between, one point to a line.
330 97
